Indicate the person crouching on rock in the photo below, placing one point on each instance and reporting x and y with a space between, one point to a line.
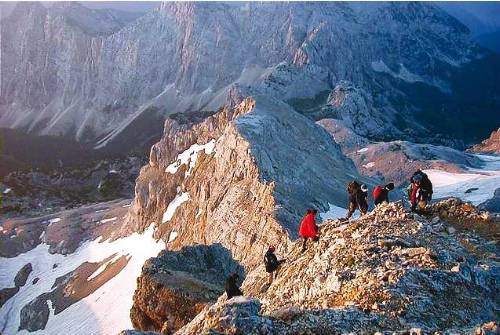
272 263
308 228
358 198
231 286
381 194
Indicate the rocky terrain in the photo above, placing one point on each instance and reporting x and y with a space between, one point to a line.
489 146
396 161
93 75
390 270
223 177
266 110
44 191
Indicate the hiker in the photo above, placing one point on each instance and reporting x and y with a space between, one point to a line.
272 263
413 191
231 287
424 192
358 198
308 228
381 194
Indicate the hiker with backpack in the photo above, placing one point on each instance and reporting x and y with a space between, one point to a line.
272 263
381 194
358 198
231 286
308 228
420 190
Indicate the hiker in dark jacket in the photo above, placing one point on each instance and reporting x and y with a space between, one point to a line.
424 193
381 194
272 263
358 198
231 286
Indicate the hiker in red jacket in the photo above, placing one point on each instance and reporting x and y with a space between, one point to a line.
308 228
413 191
381 194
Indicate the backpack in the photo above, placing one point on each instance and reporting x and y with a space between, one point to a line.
376 192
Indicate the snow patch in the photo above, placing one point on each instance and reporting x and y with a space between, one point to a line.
56 220
362 150
7 191
485 180
336 212
108 220
190 156
179 199
172 236
106 311
369 165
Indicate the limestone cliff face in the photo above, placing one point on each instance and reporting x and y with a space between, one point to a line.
241 179
84 73
267 166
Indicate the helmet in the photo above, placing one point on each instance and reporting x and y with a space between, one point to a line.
271 248
390 186
364 188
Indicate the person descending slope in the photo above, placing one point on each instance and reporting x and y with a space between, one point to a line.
358 198
231 286
272 263
308 228
381 194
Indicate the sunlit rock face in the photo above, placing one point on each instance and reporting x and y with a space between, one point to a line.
96 76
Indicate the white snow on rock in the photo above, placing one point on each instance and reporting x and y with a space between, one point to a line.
362 150
172 236
179 199
480 183
369 165
108 220
190 156
106 311
7 191
56 220
336 212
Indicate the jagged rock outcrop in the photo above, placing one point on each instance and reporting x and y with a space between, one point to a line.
390 270
175 286
246 193
220 181
490 145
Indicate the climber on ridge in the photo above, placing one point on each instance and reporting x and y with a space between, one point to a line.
381 194
308 228
419 191
272 263
358 198
231 286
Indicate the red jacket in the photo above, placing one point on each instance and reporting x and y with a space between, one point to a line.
413 194
308 228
